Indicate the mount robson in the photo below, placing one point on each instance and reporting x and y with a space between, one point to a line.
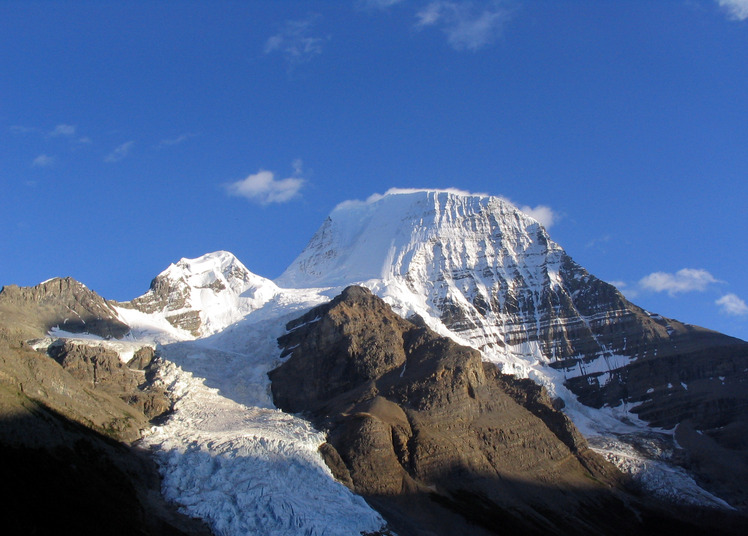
431 364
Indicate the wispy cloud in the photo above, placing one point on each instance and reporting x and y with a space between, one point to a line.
685 280
262 187
735 9
730 304
597 242
119 152
296 42
176 140
467 25
63 130
20 129
377 4
43 160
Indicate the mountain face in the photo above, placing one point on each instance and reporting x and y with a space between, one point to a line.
204 295
439 441
69 410
61 303
478 270
415 415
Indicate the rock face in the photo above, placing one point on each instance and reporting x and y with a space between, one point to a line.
438 441
61 302
101 369
61 463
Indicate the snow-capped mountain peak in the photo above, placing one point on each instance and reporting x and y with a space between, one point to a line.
206 294
212 270
397 235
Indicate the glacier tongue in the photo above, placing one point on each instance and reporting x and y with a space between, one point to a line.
228 456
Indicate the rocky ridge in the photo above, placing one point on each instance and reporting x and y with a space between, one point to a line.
61 303
70 410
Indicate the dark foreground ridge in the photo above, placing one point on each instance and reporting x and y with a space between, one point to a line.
441 443
68 420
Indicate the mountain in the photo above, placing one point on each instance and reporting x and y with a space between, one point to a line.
60 303
204 295
480 271
475 277
71 406
436 439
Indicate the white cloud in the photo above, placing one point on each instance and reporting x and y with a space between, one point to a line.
543 214
623 287
685 280
43 160
597 242
262 187
732 305
295 42
467 25
63 130
735 9
119 152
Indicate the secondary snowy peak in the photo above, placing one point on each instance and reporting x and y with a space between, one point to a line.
206 294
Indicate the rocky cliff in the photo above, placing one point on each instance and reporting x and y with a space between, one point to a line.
62 303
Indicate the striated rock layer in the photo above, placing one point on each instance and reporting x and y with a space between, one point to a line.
438 441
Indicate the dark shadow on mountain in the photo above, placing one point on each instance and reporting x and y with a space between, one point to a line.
590 512
60 476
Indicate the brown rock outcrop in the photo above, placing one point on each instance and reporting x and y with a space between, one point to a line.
60 302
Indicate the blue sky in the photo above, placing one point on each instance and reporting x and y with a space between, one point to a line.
136 133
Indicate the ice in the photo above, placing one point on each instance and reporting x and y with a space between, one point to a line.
249 470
